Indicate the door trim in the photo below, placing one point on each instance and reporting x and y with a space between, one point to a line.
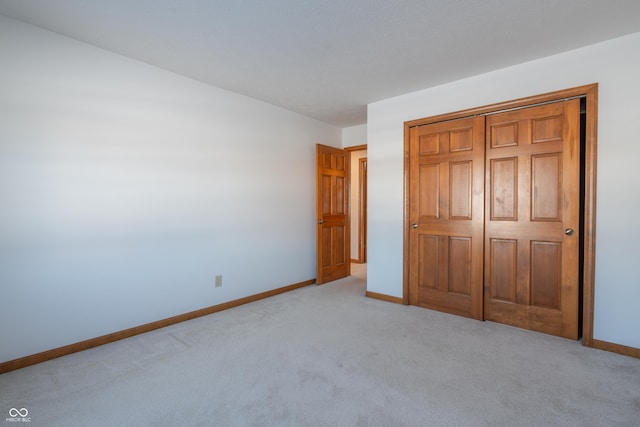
590 93
362 210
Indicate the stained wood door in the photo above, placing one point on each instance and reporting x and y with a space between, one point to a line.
532 218
446 180
332 229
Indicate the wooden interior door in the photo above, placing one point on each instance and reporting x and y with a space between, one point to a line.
332 206
532 218
446 180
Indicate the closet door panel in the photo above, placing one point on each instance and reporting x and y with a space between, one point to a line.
531 253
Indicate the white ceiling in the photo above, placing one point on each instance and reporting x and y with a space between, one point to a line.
328 58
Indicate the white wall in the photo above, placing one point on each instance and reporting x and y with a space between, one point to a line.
125 189
615 65
354 136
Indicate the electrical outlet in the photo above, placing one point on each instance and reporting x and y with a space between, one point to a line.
218 281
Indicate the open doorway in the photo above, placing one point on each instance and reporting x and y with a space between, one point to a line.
341 211
358 203
332 214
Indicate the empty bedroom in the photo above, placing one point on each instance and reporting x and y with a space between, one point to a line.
319 213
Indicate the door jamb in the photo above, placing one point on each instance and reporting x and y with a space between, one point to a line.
363 189
590 93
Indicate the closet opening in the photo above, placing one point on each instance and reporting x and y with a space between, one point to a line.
532 161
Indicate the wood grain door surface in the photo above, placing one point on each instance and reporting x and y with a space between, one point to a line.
532 199
494 205
446 182
332 229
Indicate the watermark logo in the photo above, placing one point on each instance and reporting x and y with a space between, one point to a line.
18 416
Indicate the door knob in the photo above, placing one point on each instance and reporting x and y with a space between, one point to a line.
414 225
568 231
320 221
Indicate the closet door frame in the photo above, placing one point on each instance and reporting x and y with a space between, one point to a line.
590 94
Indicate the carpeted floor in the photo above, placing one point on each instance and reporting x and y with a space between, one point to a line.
328 356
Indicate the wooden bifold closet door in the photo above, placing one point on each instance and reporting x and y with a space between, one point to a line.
494 205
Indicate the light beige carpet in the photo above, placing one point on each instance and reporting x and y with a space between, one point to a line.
328 356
